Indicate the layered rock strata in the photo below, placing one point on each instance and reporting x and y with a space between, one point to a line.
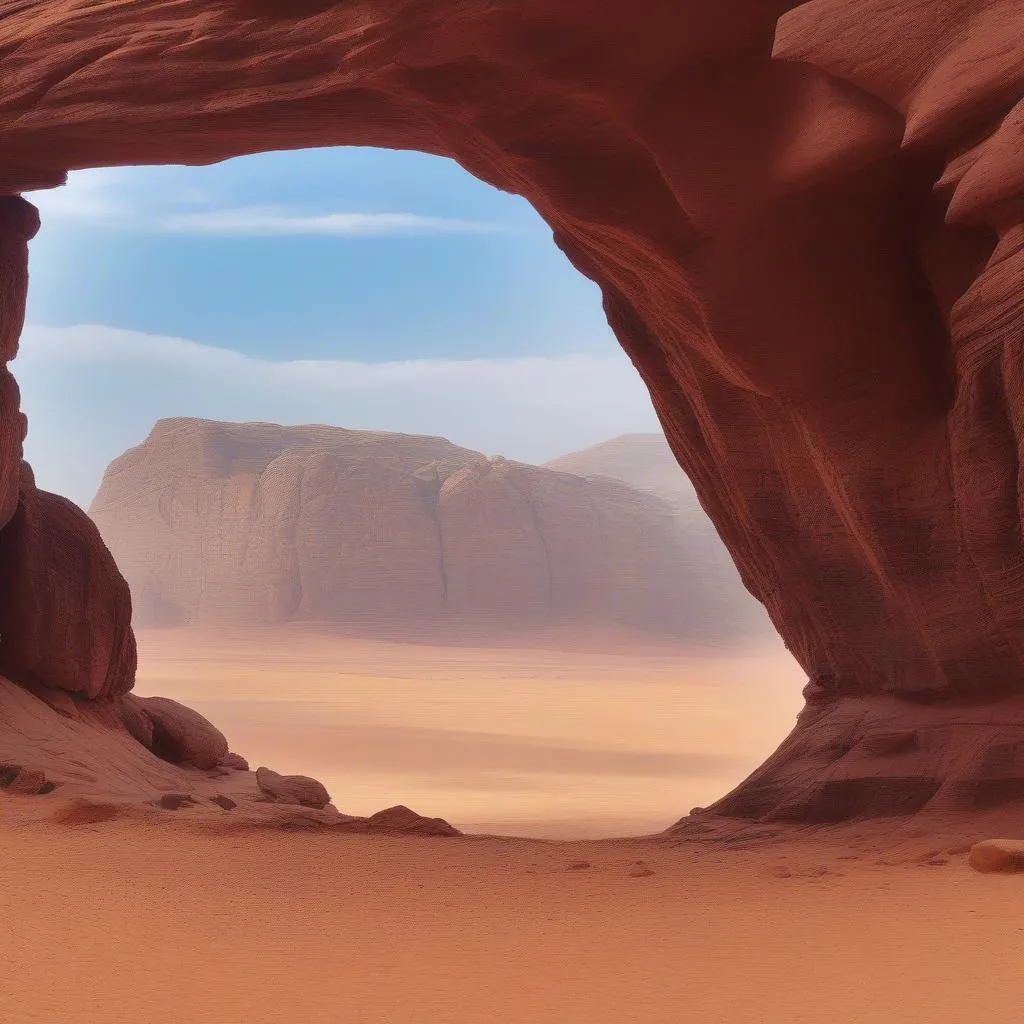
806 221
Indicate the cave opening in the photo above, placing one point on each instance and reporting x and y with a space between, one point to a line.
155 359
794 244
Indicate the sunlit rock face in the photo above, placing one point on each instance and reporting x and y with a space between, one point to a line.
806 223
243 524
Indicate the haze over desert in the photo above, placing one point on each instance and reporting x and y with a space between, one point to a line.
581 737
511 513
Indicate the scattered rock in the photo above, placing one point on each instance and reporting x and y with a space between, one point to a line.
85 812
936 862
642 872
172 801
235 762
224 801
402 819
580 865
997 855
181 735
292 789
24 781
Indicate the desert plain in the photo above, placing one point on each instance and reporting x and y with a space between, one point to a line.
546 755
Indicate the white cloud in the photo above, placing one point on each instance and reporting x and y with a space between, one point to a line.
92 391
108 198
265 221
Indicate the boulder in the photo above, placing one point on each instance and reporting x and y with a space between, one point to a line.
181 735
292 789
997 855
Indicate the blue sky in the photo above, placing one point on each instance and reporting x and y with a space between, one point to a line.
366 288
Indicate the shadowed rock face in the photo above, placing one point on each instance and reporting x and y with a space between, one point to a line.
253 524
806 222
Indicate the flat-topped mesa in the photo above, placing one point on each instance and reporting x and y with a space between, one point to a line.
254 524
808 236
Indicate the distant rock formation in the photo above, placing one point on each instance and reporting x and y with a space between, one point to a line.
221 524
646 462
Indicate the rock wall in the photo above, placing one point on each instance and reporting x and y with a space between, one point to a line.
806 222
252 524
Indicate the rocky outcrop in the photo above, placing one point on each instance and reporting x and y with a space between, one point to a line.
65 615
292 789
251 524
646 462
806 223
181 735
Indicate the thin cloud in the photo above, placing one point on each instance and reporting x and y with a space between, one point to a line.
104 198
91 391
254 221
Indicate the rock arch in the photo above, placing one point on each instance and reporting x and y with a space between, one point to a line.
806 222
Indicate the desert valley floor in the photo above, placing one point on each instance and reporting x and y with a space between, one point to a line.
127 921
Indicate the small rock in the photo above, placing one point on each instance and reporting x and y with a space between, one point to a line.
781 872
643 872
172 801
997 855
181 735
224 801
26 781
292 789
85 812
580 865
234 761
936 862
402 819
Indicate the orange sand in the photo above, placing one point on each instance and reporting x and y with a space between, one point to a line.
595 742
161 919
121 924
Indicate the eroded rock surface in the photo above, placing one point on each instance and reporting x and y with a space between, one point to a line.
292 789
806 222
252 524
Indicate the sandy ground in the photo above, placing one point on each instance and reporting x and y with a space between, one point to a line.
119 924
595 742
167 918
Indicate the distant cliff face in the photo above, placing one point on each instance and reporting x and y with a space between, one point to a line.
250 524
646 462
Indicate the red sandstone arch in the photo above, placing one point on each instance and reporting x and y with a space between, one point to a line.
806 223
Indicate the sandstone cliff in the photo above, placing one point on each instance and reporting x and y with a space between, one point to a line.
806 224
646 462
247 524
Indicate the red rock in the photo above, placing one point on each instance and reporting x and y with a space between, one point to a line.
181 735
808 234
174 801
224 801
402 819
997 855
60 700
135 720
65 610
26 781
235 762
292 789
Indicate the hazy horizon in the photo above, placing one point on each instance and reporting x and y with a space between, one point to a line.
360 288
